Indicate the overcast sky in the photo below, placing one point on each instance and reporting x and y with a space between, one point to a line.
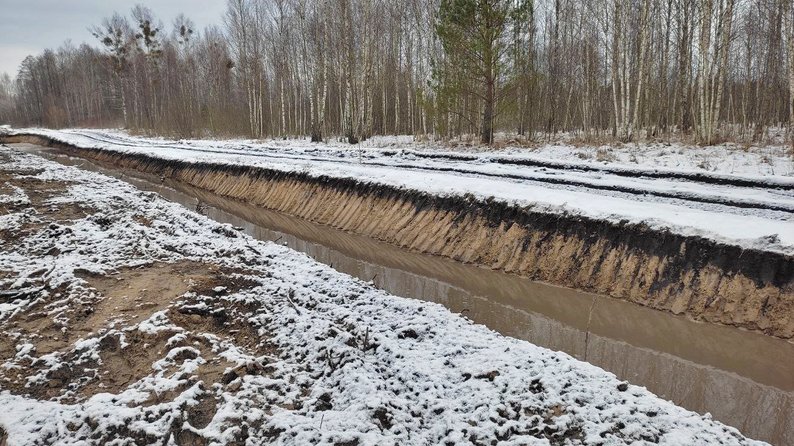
30 26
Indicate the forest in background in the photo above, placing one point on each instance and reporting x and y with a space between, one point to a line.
700 70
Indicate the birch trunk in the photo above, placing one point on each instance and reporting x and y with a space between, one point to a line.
641 69
788 12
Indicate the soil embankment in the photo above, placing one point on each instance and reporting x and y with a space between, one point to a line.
695 276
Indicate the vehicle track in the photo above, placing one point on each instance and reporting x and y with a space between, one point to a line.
547 177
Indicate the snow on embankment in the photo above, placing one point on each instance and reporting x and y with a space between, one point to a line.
130 319
709 277
754 210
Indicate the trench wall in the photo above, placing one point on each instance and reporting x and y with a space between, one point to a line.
694 276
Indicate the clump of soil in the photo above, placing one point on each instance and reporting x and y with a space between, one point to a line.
107 310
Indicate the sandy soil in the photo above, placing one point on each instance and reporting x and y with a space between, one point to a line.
106 309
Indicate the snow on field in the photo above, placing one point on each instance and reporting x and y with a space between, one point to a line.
744 198
131 319
728 159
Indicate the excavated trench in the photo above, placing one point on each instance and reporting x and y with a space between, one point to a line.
743 378
694 276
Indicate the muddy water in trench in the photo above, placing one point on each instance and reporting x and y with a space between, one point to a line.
743 379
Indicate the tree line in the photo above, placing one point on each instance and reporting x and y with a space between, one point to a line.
708 70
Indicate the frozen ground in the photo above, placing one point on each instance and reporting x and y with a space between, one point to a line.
129 319
732 195
728 158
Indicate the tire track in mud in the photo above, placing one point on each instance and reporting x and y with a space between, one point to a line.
679 198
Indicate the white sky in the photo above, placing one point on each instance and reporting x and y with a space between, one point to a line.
30 26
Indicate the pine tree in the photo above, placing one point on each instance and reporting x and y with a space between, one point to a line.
475 38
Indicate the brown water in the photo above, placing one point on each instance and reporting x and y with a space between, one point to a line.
743 379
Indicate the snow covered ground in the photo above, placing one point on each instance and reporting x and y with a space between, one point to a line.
728 158
732 195
130 319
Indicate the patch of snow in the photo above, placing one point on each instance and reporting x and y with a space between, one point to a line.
157 323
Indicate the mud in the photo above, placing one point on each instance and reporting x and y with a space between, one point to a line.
100 305
694 276
121 299
741 378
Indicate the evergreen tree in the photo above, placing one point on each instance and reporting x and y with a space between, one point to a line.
475 36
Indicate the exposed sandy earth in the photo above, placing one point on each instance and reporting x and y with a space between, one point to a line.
107 309
118 302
